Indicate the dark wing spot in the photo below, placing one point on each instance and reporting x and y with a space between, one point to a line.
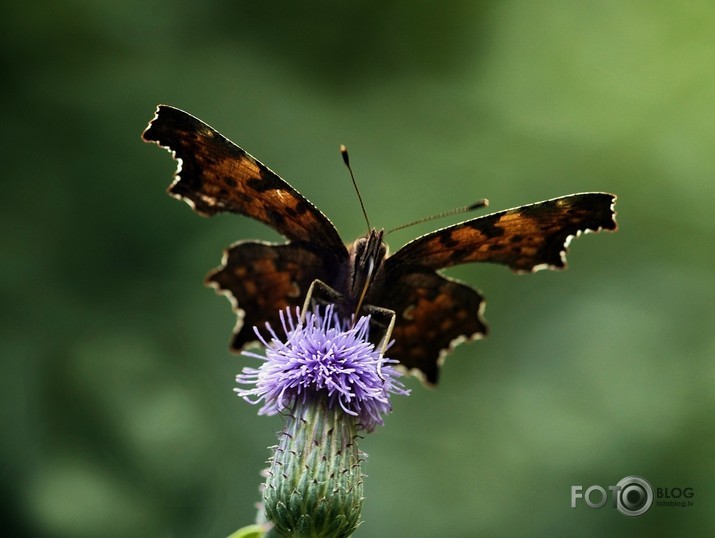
459 254
448 241
487 229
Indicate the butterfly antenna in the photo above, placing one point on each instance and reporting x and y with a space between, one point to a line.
457 211
346 160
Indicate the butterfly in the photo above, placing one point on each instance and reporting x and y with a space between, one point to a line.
431 312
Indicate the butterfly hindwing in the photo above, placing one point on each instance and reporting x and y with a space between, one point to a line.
433 314
261 279
215 175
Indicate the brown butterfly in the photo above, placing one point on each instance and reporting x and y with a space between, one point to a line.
432 313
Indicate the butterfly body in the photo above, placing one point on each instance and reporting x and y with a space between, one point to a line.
366 257
432 312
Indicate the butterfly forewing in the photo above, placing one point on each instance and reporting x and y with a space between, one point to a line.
215 175
524 238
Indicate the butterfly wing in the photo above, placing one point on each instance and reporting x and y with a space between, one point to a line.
525 239
435 313
215 175
261 279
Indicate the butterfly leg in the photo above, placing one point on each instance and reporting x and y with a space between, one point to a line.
319 291
389 316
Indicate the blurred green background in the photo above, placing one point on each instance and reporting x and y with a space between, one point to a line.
118 412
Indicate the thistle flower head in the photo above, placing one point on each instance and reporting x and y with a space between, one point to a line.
322 355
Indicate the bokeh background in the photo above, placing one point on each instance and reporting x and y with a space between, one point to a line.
116 389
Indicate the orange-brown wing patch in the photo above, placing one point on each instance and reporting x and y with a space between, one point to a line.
215 175
525 238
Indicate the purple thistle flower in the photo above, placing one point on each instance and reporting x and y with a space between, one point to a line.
326 356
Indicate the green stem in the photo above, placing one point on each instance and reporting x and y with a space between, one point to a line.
315 484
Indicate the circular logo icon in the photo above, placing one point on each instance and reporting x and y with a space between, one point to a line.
634 497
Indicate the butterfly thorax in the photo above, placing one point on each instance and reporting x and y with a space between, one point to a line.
366 257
